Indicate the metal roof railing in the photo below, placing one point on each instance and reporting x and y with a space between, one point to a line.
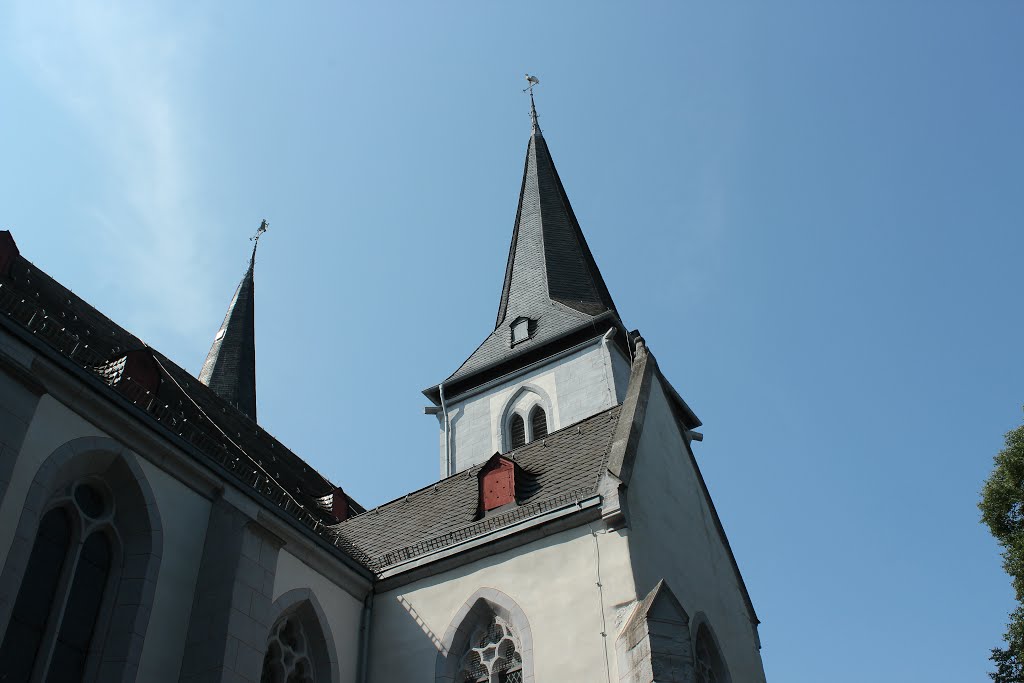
192 429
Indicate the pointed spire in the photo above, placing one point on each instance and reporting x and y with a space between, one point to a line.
553 288
230 367
549 259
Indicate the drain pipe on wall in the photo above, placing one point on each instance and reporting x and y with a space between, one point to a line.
600 598
609 373
364 632
447 438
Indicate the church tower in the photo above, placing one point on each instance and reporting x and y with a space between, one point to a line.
559 352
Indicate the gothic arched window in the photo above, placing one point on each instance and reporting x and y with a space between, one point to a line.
288 654
517 431
707 660
297 650
493 655
538 423
63 590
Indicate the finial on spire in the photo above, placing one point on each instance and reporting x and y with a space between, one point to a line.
532 81
255 239
259 232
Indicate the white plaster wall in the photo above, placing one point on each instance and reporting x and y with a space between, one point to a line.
553 580
52 426
673 536
184 515
343 611
572 389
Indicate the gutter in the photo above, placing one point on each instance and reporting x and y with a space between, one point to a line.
492 536
536 364
607 315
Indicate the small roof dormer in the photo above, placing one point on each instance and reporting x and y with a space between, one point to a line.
503 483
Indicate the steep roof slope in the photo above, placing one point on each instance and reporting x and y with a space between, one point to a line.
564 467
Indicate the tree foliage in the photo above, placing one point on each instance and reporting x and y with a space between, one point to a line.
1002 509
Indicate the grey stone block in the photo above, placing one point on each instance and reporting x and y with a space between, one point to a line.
249 662
246 629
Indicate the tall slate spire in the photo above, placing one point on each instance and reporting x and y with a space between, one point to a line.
230 367
551 278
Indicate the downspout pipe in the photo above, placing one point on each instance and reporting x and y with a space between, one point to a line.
364 633
447 439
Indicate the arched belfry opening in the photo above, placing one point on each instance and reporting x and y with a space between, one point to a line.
526 417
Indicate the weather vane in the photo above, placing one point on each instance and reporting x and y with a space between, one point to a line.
262 229
532 80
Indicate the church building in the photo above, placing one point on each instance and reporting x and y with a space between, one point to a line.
151 530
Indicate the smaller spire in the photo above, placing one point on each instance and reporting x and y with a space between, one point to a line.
230 367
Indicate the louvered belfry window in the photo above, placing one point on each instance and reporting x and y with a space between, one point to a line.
517 431
538 423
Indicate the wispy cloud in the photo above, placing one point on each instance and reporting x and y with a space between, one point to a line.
119 70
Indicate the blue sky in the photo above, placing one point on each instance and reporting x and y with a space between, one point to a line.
812 211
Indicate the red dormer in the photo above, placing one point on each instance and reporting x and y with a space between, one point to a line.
497 483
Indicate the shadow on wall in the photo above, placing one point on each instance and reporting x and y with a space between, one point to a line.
407 606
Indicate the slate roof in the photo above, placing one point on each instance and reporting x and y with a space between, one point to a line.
253 458
230 367
566 466
551 276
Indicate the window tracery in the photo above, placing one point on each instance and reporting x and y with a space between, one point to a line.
493 656
288 657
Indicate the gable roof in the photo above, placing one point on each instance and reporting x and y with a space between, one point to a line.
566 466
51 316
230 367
551 276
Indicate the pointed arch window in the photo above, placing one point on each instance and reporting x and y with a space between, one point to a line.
63 590
35 599
707 659
517 431
297 651
288 654
538 423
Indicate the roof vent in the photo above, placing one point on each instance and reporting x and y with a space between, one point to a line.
503 482
497 483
